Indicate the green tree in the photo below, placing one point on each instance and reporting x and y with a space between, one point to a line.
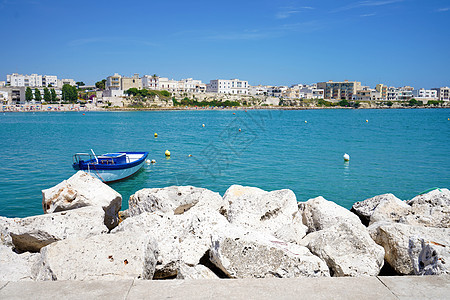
132 91
100 84
69 93
47 95
80 83
28 94
53 95
37 95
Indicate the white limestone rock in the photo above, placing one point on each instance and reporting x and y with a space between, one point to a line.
319 213
433 258
431 209
187 272
83 190
273 212
182 239
365 209
33 233
104 257
391 209
174 200
242 253
402 243
348 250
16 267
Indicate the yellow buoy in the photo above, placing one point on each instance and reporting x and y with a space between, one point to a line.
190 155
367 121
156 135
167 153
346 157
153 161
306 121
203 125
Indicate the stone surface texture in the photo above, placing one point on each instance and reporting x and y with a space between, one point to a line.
273 212
348 250
242 253
403 243
16 267
33 233
83 190
103 257
319 213
174 200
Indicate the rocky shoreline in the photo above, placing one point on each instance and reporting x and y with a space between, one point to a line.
185 232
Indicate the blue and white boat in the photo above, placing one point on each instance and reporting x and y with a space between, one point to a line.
110 166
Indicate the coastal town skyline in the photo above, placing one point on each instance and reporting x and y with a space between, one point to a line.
392 41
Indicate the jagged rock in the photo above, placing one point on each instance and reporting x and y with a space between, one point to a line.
103 257
242 253
431 209
273 212
392 209
16 267
319 214
365 209
402 243
348 250
33 233
433 258
197 272
174 199
83 190
182 239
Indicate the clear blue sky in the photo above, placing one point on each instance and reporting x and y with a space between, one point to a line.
397 42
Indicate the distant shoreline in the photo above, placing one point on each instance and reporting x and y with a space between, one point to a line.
237 108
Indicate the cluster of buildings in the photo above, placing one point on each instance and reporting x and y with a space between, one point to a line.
13 90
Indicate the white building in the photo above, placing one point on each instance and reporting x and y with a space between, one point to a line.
190 85
62 82
223 86
443 93
425 94
50 80
256 90
33 80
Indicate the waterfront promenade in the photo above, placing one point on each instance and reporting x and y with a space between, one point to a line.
399 287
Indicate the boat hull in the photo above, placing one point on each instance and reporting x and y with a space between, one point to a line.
113 175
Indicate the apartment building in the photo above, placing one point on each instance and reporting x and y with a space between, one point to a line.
50 80
33 80
443 93
382 91
190 85
425 94
339 90
131 82
257 90
232 86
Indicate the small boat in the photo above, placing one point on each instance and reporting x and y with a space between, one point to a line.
110 166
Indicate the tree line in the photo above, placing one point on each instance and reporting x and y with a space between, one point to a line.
69 94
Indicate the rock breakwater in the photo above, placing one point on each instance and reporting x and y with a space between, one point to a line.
187 232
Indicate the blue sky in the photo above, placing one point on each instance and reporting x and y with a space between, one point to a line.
396 42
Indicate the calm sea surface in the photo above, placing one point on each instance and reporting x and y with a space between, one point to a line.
399 151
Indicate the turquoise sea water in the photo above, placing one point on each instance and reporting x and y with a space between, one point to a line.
399 151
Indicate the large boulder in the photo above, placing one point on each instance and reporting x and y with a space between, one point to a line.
16 267
348 250
365 209
174 200
83 190
403 243
103 257
392 210
242 253
431 209
273 212
182 239
319 213
33 233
